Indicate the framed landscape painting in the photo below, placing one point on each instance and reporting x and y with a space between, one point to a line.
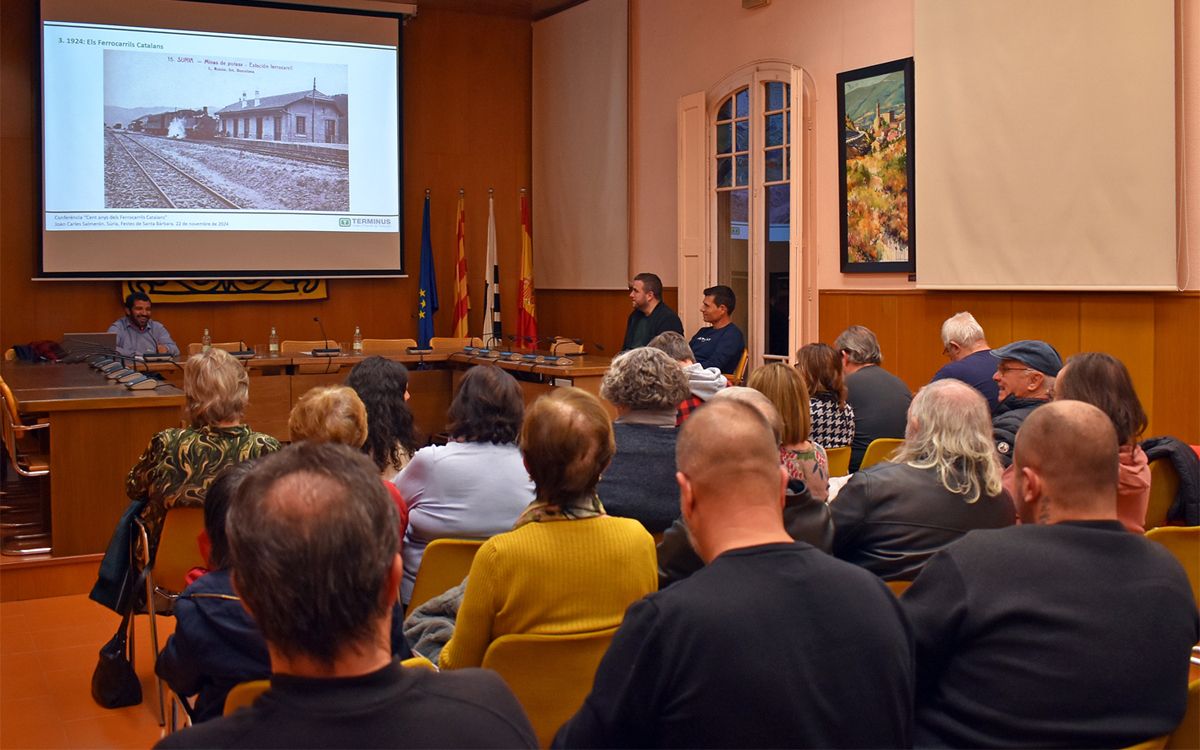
875 157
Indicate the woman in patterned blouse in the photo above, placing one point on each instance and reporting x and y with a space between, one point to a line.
181 462
832 417
803 457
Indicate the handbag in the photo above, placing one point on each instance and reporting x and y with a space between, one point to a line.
115 684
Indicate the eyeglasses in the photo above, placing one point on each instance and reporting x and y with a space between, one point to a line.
1016 369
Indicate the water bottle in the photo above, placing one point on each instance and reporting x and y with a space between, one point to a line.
357 340
273 343
205 341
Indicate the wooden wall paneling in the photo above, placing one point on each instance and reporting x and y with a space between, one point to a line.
833 315
1176 408
1122 325
1053 318
594 315
993 310
920 351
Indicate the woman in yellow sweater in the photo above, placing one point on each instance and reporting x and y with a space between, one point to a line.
566 567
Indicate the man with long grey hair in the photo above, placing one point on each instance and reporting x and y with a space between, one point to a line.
943 482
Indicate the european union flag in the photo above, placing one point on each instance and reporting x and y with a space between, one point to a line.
428 288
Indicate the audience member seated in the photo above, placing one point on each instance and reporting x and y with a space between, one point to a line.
646 386
966 346
943 482
832 416
567 567
703 382
216 644
475 486
180 462
880 399
1025 374
805 519
335 414
772 644
391 436
1065 631
719 344
804 459
312 536
650 316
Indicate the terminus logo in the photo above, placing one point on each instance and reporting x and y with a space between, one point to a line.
353 222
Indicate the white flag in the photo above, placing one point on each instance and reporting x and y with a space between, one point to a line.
493 332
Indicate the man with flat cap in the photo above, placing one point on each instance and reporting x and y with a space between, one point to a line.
1025 374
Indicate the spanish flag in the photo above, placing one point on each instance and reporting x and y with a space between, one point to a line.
462 303
527 333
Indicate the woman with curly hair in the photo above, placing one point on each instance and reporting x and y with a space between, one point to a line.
646 386
476 485
832 417
391 437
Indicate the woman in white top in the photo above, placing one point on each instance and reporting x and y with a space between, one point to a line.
476 485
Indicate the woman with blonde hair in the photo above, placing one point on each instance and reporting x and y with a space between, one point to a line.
567 566
181 462
803 457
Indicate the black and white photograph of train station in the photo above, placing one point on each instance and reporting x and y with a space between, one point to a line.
215 132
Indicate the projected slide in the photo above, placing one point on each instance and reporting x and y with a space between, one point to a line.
159 129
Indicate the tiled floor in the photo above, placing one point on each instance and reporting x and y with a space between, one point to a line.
48 649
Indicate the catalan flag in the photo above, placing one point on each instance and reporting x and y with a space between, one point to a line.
428 300
462 303
527 332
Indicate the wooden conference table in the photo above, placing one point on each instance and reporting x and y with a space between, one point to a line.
98 430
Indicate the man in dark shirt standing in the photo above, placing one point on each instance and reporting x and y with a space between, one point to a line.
315 547
720 343
772 644
1065 631
650 315
880 399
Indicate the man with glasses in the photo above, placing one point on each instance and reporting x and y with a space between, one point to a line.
1025 375
967 348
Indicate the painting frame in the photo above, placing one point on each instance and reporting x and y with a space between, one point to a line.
883 225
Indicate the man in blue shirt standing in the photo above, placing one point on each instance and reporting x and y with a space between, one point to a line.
137 333
720 344
964 343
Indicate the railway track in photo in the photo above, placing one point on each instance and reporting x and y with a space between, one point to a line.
174 185
336 159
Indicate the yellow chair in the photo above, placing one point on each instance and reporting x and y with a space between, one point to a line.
229 346
1156 743
444 565
387 346
27 445
419 662
549 674
449 342
244 693
295 346
1187 734
1184 543
1164 484
839 460
880 450
738 376
178 552
898 587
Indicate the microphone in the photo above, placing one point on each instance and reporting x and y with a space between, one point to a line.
245 352
325 350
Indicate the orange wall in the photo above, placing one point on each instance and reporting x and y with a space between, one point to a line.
1153 334
466 124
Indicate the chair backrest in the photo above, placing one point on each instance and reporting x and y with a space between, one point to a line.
419 662
563 346
1187 734
1164 485
291 346
24 452
245 693
229 346
880 450
450 342
444 565
898 587
178 551
1184 543
738 376
549 674
387 346
839 460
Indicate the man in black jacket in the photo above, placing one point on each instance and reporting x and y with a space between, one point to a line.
650 315
1025 374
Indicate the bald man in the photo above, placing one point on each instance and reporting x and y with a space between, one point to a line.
772 644
1066 631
